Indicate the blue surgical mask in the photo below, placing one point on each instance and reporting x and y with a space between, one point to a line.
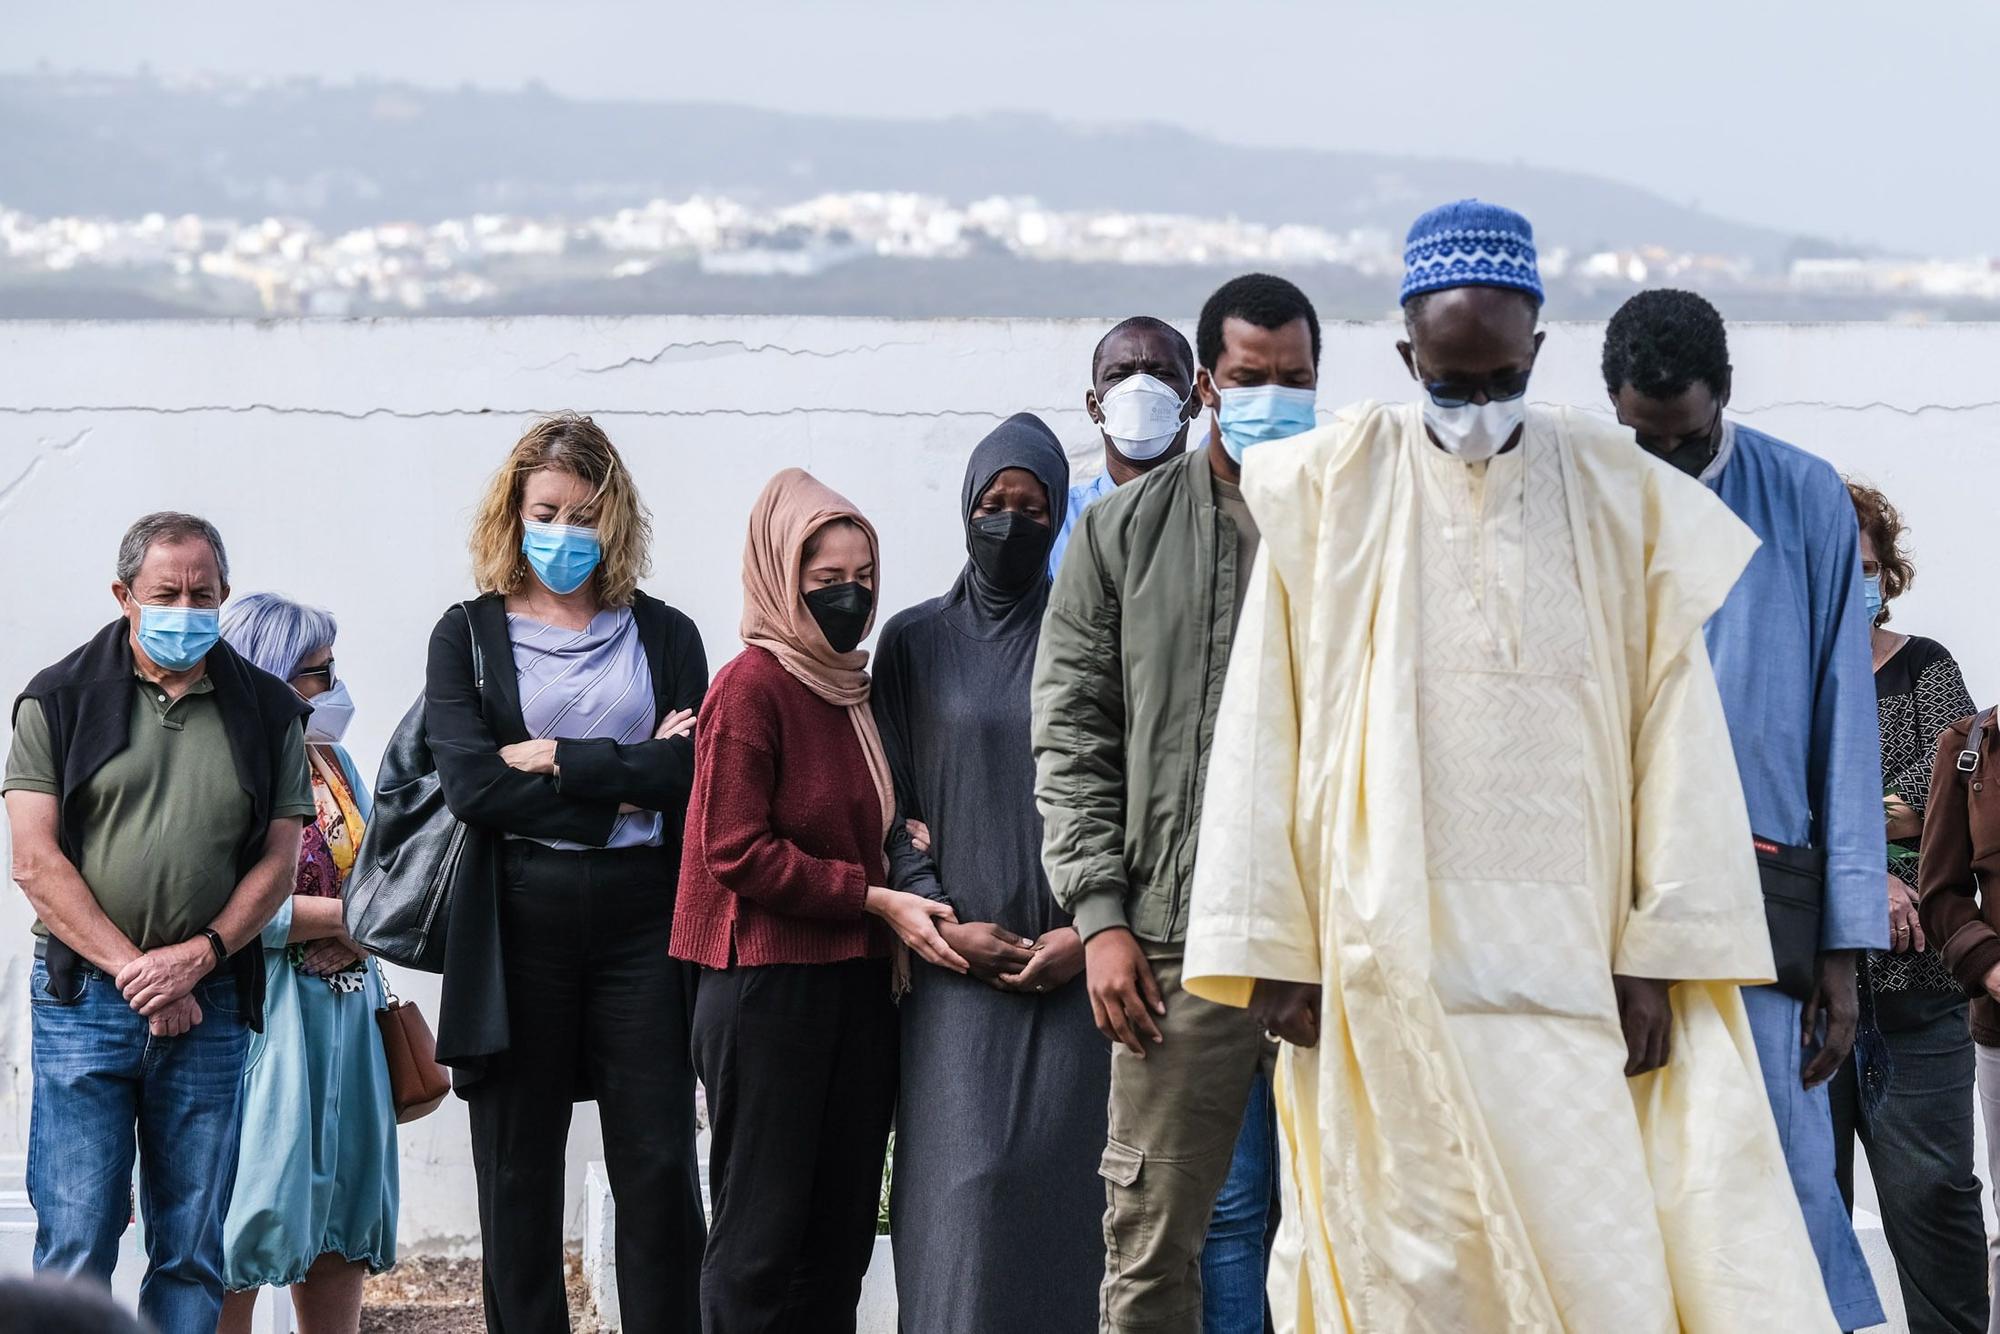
562 556
177 638
1871 593
1250 416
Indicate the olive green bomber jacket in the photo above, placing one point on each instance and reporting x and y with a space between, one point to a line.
1128 680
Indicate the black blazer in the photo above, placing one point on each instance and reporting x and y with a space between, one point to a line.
467 722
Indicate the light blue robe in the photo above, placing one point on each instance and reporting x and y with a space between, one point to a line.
1081 497
318 1172
1792 659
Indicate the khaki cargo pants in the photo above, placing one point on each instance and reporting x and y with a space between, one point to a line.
1174 1121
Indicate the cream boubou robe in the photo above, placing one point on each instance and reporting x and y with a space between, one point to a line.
1470 763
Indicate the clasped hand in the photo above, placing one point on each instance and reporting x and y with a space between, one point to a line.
915 920
1009 961
157 985
329 955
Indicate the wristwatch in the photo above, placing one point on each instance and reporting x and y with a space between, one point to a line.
215 943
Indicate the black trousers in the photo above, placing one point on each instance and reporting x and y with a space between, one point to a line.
1920 1149
799 1062
592 1000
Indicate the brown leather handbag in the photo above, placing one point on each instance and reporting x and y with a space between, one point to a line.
417 1083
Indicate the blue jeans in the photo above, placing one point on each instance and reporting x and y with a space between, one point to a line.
1237 1254
98 1073
1919 1142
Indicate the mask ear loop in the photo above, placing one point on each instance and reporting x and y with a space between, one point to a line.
1193 397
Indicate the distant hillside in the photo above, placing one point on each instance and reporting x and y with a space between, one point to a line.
344 155
1002 287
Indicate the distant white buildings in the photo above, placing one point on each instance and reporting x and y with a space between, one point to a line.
1971 279
286 266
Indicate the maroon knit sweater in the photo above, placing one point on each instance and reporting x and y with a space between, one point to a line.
784 829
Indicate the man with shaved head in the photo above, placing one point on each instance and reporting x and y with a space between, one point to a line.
1141 397
1127 684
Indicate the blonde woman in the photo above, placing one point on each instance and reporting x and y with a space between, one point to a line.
559 706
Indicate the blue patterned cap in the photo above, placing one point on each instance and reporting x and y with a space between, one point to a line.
1470 244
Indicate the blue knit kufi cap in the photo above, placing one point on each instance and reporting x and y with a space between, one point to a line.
1470 244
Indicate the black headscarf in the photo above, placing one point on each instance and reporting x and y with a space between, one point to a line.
974 604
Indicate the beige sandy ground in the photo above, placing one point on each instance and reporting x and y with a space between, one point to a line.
424 1296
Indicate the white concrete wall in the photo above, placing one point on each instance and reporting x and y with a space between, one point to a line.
341 460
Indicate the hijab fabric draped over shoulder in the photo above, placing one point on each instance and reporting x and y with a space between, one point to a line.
792 507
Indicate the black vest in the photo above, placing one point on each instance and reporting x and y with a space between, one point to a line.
86 699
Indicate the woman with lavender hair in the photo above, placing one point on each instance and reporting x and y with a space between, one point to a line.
316 1182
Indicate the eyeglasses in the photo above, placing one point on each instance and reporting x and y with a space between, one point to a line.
1500 387
324 672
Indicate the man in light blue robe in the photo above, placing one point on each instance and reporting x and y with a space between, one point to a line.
1792 659
1141 398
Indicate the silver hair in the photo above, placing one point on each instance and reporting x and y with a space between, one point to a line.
276 633
166 526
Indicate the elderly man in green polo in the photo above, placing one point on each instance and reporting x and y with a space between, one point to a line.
155 792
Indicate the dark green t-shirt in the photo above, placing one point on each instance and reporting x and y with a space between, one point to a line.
1230 498
164 818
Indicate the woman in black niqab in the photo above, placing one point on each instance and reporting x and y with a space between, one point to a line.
997 1206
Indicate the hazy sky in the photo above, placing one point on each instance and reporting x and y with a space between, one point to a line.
1852 120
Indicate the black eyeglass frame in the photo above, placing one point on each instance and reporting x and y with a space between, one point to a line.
1503 390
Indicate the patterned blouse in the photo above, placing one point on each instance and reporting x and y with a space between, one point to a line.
1918 693
326 853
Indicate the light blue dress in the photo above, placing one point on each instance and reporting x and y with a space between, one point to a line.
317 1171
1792 660
1081 497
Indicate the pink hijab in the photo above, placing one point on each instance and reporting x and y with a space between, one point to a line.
793 506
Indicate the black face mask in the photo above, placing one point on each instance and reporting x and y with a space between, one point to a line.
1693 456
1010 549
841 611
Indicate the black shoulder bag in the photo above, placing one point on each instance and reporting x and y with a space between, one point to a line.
413 850
1794 899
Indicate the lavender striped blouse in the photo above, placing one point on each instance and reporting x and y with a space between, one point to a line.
593 682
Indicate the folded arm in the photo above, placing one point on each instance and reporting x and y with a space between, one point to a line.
480 787
652 775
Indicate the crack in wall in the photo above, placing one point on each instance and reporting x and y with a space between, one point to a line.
402 414
44 452
717 344
420 414
1876 405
